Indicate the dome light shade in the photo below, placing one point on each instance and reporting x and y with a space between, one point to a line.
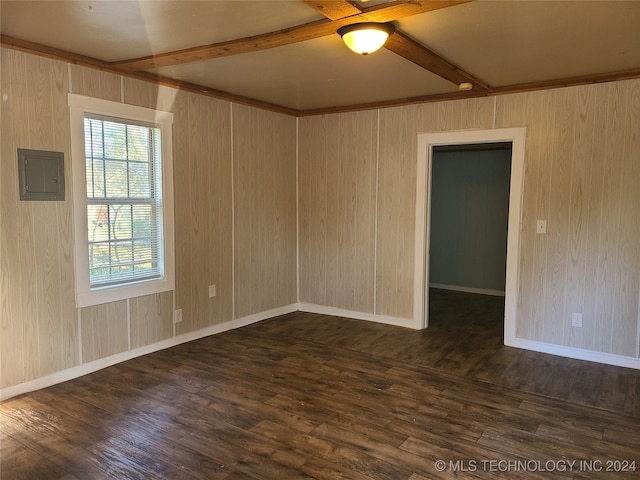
367 37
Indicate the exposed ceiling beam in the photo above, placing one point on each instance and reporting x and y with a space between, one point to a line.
334 10
411 50
388 12
287 36
405 47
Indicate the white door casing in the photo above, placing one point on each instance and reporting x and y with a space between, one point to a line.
426 142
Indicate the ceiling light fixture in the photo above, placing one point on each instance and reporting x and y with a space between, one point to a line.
367 37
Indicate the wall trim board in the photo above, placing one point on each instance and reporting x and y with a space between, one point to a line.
462 288
576 353
370 317
94 366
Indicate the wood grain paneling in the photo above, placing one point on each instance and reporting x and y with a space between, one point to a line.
264 160
39 326
396 206
581 207
337 177
581 174
149 95
104 330
219 209
181 196
313 208
548 124
581 168
399 129
95 83
198 173
151 318
12 341
202 194
628 267
39 320
45 240
599 226
64 216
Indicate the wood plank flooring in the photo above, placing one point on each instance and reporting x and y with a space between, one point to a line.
307 396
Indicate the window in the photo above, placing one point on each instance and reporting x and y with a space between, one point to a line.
121 158
123 201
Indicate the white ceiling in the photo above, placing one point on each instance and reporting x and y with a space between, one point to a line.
503 43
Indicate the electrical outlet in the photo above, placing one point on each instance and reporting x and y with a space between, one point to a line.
576 320
177 316
541 226
212 291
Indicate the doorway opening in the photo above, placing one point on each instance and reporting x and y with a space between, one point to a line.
469 217
427 144
468 243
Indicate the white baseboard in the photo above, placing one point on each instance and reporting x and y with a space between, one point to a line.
576 353
371 317
75 372
559 350
458 288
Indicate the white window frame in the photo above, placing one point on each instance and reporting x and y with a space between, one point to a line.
79 106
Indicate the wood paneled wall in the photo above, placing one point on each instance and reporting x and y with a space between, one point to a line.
337 175
264 169
150 319
357 187
235 201
399 129
203 222
41 331
104 330
582 175
582 169
38 323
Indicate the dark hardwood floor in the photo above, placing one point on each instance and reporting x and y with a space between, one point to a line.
310 396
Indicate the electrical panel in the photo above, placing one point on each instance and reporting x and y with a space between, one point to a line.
41 175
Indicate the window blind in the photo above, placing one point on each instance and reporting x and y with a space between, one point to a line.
124 209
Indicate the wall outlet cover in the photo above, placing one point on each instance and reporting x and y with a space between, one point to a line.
576 320
541 226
